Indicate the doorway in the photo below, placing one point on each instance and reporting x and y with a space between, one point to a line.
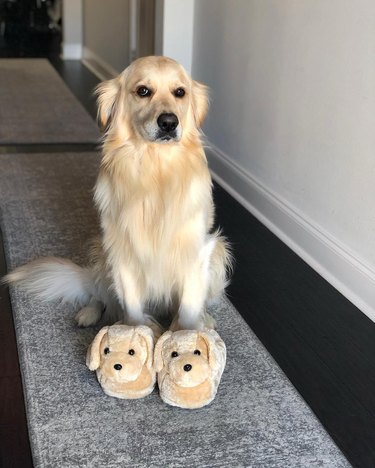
30 28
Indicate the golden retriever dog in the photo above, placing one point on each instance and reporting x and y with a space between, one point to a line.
154 196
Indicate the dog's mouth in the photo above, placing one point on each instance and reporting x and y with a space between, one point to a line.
164 137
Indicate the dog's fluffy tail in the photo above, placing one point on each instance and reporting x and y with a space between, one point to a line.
52 278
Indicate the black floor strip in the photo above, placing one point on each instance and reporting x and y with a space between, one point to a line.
322 342
14 441
48 148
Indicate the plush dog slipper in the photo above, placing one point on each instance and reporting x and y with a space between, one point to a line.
189 365
122 357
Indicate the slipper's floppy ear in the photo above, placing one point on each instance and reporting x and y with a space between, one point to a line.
158 356
216 349
106 93
148 336
93 353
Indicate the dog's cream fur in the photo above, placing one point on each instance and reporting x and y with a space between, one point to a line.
155 203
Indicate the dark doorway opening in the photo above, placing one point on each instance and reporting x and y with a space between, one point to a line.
30 28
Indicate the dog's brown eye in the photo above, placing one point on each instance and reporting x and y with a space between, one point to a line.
174 354
131 352
197 352
179 92
106 350
142 91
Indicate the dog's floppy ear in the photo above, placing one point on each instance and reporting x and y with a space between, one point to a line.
93 353
107 93
200 102
147 334
158 356
216 349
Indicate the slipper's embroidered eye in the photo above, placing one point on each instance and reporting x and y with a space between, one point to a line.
197 352
174 354
179 92
131 352
106 350
142 91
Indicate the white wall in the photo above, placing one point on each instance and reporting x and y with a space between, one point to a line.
72 29
293 119
106 37
174 30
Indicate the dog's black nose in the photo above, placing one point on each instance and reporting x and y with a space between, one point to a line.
187 367
167 122
118 366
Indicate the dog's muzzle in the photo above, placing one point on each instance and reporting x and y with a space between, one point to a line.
167 124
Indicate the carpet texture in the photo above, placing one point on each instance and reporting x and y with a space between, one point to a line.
37 107
257 419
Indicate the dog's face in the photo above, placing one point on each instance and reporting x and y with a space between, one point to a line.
155 100
187 356
121 352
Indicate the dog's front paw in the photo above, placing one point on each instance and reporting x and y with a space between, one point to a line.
184 322
88 316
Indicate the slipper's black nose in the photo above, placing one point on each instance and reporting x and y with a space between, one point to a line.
167 122
187 367
118 366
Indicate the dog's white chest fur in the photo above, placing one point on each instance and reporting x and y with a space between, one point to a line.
155 215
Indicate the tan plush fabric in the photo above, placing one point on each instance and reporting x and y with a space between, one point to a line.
189 365
122 357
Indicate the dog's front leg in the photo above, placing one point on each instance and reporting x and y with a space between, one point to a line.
191 311
129 293
192 315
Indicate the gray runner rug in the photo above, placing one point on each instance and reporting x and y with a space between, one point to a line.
37 107
257 419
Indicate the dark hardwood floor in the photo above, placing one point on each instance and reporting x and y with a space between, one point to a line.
14 442
323 343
